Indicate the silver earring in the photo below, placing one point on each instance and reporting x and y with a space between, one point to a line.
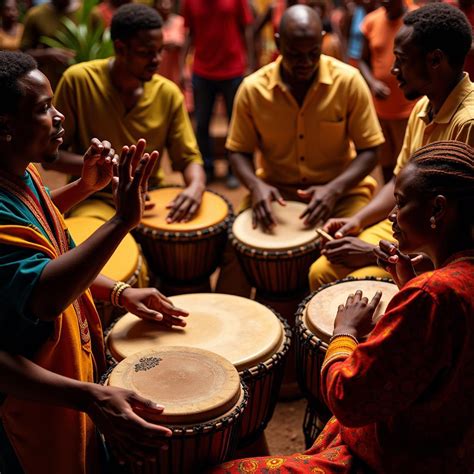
8 138
432 222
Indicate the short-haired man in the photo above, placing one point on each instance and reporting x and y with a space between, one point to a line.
122 99
306 113
430 50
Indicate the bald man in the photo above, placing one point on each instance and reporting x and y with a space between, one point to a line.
313 120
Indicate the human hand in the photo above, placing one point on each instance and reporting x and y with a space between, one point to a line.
399 265
349 251
355 317
342 226
185 205
322 200
121 416
134 169
97 169
59 55
262 196
151 305
380 89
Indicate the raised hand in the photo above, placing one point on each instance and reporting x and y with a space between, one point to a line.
322 201
355 316
262 197
150 304
134 169
399 265
97 169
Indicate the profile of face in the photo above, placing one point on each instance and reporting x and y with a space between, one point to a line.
410 66
411 215
300 47
9 11
37 127
142 54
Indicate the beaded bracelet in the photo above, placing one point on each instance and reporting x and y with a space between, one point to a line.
116 292
335 336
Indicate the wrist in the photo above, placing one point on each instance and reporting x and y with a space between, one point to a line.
85 395
85 189
346 330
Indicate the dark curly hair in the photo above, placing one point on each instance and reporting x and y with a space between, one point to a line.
441 26
131 18
13 66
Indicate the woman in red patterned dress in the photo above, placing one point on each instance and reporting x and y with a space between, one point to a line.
403 399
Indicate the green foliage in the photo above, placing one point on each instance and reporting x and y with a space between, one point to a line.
87 42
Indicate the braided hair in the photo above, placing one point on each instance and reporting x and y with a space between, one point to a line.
447 168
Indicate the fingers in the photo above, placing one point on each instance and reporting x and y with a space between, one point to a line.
264 215
347 228
276 196
155 158
375 300
138 153
183 208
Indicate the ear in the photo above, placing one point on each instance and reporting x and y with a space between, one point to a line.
435 58
119 47
277 40
440 207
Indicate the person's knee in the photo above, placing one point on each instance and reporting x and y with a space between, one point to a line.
321 272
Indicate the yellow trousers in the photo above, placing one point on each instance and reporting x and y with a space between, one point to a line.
322 271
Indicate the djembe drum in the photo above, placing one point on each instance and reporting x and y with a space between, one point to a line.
277 263
203 399
314 328
243 331
184 254
125 264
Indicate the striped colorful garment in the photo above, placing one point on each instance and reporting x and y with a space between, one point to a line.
403 400
45 439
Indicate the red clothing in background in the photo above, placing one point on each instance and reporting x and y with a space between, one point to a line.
217 27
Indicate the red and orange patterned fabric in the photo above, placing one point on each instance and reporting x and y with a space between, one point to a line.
403 400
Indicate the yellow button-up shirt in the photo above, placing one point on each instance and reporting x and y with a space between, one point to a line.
306 145
454 121
93 108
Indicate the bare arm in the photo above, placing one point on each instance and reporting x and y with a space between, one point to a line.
67 163
250 46
379 89
188 41
86 260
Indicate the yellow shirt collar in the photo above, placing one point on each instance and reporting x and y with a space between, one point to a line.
323 77
451 104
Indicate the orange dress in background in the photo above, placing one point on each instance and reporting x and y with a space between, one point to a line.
11 42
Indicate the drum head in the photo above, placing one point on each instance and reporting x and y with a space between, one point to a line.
124 261
290 232
193 385
321 310
241 330
212 211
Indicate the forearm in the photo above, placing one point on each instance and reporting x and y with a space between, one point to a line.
242 165
194 176
380 206
102 288
358 169
67 162
366 72
23 379
184 52
250 45
68 196
54 291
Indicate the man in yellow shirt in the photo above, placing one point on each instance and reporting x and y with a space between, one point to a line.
430 50
313 120
121 99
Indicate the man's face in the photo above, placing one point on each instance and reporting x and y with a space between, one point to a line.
410 66
301 50
10 11
37 126
142 54
164 8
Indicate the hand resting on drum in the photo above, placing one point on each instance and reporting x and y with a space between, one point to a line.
355 316
263 195
185 205
322 200
121 416
150 304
